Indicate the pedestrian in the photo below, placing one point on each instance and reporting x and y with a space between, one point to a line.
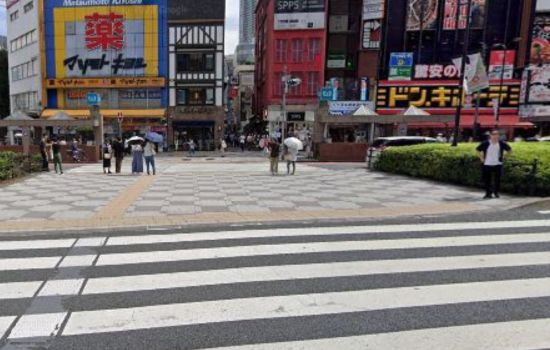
137 159
44 153
223 146
491 154
118 151
291 156
57 161
274 153
192 147
74 150
242 141
107 155
149 154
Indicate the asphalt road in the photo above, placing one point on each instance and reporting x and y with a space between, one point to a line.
461 282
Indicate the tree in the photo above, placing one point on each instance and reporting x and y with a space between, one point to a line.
4 85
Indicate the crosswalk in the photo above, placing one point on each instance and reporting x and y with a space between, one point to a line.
468 285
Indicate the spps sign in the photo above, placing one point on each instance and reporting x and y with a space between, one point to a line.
102 38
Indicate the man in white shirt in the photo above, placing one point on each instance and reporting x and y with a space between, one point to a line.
491 154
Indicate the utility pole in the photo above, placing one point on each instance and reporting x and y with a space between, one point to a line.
283 104
465 45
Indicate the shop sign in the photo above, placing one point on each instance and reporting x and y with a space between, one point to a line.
422 12
105 82
326 94
458 9
76 3
496 69
373 9
93 99
372 34
442 96
296 116
527 111
299 14
539 83
343 108
436 71
336 60
401 64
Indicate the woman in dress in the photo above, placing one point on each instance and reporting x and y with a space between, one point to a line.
137 159
107 155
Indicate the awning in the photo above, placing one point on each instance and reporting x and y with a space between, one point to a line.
107 113
486 121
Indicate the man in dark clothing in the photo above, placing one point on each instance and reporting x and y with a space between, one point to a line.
57 161
118 149
491 154
44 153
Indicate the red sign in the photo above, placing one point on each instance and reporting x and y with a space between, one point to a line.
105 31
501 64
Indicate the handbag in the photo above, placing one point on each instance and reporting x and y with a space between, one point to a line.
107 156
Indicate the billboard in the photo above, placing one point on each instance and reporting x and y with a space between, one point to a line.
501 64
540 44
373 9
299 14
422 13
457 10
86 41
401 65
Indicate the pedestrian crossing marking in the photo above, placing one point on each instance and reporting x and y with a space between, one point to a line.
531 334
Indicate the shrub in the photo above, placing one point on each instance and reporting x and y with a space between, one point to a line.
14 165
526 170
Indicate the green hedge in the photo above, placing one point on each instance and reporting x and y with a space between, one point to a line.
461 165
13 165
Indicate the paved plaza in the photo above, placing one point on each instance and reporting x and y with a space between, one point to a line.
218 190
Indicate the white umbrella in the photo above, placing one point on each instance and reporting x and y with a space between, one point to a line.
136 139
294 143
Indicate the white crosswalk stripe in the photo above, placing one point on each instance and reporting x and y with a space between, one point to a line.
63 289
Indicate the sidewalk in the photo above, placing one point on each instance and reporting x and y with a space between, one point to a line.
225 190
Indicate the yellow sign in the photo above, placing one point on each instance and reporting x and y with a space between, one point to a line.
129 82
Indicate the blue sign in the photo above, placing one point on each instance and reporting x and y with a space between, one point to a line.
326 94
401 64
93 99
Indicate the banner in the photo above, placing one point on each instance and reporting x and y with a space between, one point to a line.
422 12
372 34
496 67
458 10
540 45
475 74
539 83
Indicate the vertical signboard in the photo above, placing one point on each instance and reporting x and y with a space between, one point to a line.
401 65
540 44
373 9
496 61
458 10
422 13
372 34
299 14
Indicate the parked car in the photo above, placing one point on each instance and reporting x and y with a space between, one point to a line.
383 143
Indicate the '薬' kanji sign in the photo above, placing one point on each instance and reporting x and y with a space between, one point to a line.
104 31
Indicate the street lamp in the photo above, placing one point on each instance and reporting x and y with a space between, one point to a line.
288 82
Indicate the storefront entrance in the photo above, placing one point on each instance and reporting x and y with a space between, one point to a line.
202 132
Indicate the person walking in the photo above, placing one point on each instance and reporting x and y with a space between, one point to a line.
107 155
274 153
74 150
192 147
491 154
118 151
223 146
291 156
137 159
57 161
242 141
44 153
149 154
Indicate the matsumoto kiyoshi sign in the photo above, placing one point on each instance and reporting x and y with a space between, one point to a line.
104 38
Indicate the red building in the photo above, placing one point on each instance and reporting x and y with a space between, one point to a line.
290 37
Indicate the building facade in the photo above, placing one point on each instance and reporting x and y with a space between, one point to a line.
196 77
245 49
290 41
25 73
420 41
118 52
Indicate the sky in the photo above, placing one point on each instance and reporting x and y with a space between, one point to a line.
231 24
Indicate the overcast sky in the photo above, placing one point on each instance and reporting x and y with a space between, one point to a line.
231 24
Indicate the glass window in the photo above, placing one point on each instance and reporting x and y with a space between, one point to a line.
209 62
280 50
28 6
181 97
296 90
14 15
209 97
297 50
314 48
194 62
277 84
195 96
312 83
